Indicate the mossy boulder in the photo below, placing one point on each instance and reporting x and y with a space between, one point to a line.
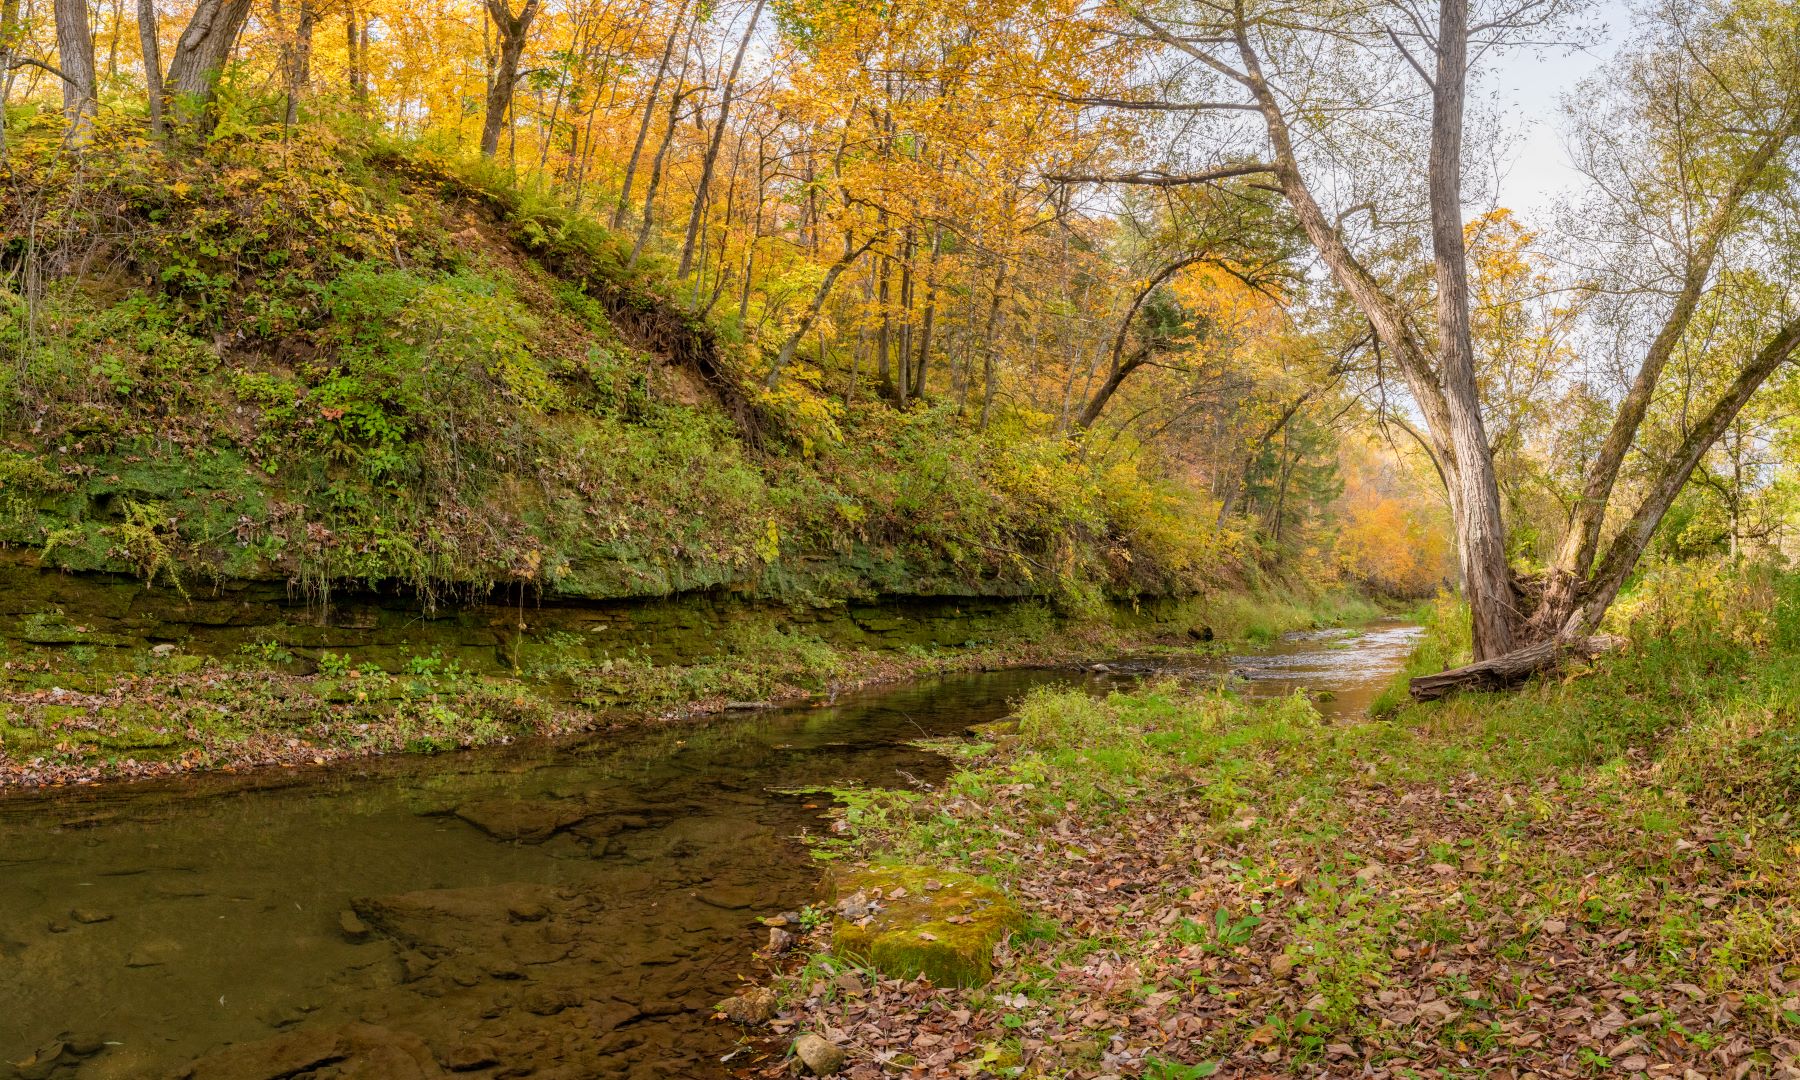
906 921
994 730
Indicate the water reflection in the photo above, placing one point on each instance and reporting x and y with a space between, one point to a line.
558 909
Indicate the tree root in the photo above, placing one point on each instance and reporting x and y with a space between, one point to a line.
1514 667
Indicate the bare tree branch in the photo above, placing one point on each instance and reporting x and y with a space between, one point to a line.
1158 178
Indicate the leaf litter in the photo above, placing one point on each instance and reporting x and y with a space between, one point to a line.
1369 908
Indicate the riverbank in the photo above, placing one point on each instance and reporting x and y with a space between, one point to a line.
80 703
1595 874
462 384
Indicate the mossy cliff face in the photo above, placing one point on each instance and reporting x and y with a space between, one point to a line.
907 921
113 620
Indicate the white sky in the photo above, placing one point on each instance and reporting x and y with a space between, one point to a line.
1531 87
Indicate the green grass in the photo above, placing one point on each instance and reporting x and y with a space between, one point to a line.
1645 802
1260 617
1446 644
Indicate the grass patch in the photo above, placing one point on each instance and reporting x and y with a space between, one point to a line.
1244 883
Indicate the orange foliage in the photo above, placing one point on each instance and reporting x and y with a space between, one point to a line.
1395 536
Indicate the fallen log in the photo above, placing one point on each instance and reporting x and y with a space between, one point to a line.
1514 667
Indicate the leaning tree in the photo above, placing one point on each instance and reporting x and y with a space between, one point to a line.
1357 115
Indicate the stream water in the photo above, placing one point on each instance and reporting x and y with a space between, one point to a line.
569 909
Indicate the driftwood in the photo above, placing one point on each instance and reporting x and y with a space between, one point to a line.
1514 667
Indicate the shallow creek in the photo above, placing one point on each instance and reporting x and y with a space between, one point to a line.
568 909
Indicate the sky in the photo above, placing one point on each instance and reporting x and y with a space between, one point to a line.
1531 86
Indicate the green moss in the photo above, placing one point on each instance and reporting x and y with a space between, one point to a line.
994 729
936 923
50 628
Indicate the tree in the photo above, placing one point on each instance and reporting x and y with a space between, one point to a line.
296 56
1723 123
712 146
677 28
75 56
153 80
200 57
513 29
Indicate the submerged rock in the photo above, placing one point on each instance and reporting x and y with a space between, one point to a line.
728 897
484 922
903 928
55 1058
352 1052
528 821
353 928
143 958
471 1056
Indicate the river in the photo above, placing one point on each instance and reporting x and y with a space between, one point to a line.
567 909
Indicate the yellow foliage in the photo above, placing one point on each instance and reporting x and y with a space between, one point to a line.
1392 540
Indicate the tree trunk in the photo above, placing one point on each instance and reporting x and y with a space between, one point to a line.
809 228
1511 669
112 44
991 345
296 59
200 57
9 40
1285 473
844 262
1566 579
1480 532
512 30
656 166
676 30
153 80
1629 544
712 147
884 372
903 340
1120 369
1115 378
762 163
353 53
1445 392
928 321
75 54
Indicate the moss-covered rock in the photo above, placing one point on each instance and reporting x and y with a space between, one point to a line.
993 730
906 921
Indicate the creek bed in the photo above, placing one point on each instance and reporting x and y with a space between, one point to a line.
568 909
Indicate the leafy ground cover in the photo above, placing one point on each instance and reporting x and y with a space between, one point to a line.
337 359
1593 876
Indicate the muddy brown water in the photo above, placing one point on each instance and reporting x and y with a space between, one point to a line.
568 909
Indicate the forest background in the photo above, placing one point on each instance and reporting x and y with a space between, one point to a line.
943 297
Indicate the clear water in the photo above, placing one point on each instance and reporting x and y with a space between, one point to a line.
561 909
